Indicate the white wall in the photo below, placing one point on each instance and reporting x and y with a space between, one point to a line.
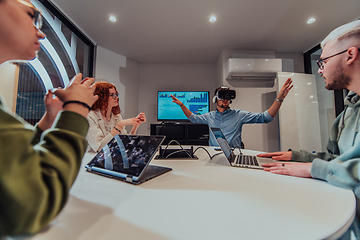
8 73
138 84
123 73
170 77
129 78
296 59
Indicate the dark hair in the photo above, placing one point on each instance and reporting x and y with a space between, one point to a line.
102 90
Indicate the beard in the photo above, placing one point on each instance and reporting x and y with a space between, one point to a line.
339 79
225 106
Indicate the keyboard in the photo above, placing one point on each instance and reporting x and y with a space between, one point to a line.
246 160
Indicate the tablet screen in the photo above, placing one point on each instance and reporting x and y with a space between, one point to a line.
127 154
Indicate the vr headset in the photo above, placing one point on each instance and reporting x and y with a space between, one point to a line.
225 94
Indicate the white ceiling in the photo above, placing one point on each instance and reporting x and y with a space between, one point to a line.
179 31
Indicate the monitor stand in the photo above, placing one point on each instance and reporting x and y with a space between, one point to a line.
167 122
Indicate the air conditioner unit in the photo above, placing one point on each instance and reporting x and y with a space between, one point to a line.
252 69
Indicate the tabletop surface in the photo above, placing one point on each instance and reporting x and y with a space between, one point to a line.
202 199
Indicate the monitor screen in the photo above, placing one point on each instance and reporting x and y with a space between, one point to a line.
196 101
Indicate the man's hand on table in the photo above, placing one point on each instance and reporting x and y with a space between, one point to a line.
292 169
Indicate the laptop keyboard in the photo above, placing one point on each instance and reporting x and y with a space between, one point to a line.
246 160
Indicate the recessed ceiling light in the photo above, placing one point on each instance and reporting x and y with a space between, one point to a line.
311 20
212 19
112 18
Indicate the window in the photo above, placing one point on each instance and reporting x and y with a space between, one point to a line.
64 52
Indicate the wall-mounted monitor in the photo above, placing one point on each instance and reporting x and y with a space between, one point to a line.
196 101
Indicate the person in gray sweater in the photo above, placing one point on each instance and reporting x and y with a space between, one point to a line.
339 65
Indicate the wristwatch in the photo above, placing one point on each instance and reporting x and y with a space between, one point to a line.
279 100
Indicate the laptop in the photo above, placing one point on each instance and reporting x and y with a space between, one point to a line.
238 160
127 158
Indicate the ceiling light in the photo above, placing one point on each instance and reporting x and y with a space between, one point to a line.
311 20
212 19
112 18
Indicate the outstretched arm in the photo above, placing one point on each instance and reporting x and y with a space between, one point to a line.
273 110
186 111
341 172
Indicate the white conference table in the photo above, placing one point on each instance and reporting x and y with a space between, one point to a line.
203 199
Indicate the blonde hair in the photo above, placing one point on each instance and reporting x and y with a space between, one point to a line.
345 31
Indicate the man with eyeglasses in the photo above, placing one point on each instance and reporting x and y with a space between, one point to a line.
339 65
38 164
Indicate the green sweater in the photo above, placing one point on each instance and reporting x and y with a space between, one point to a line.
340 166
37 169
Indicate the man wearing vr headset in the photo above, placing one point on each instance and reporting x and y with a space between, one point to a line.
231 120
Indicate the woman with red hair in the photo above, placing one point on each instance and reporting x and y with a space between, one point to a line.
104 118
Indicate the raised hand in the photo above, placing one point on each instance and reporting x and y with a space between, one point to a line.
175 100
285 89
141 117
52 106
78 90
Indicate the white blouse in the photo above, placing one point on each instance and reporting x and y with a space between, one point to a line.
99 130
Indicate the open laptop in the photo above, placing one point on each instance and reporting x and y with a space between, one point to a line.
237 160
127 158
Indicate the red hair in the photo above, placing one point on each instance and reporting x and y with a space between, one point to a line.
102 90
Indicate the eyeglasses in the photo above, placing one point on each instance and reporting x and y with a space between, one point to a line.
114 95
321 62
36 17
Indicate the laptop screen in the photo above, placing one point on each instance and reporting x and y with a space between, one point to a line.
223 143
127 154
